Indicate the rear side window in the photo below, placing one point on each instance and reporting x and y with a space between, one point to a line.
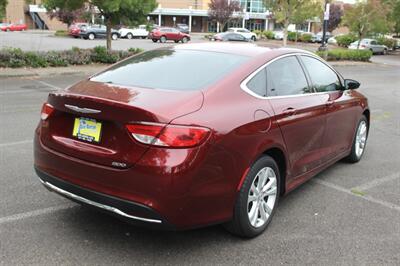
323 77
172 69
287 77
258 84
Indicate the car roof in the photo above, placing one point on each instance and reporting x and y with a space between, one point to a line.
245 49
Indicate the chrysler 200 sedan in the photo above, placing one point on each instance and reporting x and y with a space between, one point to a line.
218 135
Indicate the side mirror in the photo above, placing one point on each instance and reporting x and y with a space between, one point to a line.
351 84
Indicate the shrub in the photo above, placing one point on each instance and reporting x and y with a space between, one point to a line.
306 37
269 34
390 43
346 40
35 60
259 33
345 54
292 36
61 33
101 55
14 57
56 59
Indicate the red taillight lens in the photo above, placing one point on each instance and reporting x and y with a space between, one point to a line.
172 136
363 46
47 109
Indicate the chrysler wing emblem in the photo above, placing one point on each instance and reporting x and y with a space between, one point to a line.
82 110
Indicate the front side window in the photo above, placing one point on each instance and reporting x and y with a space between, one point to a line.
323 77
287 77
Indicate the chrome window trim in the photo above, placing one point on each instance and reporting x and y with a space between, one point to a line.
96 204
243 84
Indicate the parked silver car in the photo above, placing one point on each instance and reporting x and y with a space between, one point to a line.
370 44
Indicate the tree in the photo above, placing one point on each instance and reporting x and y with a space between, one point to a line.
3 5
66 16
114 11
222 10
367 17
293 11
335 16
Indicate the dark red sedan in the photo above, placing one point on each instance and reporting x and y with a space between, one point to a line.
215 141
165 34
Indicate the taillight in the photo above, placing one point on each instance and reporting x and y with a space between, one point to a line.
47 109
172 136
363 46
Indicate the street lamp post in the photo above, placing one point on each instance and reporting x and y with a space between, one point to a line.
325 26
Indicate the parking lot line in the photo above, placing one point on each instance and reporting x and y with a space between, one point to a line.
377 182
46 84
7 144
24 215
349 192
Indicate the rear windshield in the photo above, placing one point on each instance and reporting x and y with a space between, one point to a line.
171 69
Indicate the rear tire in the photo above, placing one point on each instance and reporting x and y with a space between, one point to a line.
257 199
253 38
384 52
114 36
359 141
91 36
129 36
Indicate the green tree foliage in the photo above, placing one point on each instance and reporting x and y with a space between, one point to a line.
114 11
293 12
3 4
368 17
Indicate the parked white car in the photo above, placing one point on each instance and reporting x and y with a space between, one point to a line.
140 32
369 44
278 35
245 33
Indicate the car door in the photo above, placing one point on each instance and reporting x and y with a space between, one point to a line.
175 35
376 47
340 106
299 113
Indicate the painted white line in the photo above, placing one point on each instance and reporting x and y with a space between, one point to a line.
8 144
25 215
365 197
47 84
377 182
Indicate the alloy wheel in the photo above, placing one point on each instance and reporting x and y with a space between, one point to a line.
361 138
262 197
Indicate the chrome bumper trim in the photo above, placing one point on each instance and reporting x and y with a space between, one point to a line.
96 204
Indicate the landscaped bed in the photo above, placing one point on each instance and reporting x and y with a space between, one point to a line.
15 58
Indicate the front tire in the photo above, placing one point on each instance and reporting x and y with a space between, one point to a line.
154 40
185 40
163 39
359 141
253 38
257 199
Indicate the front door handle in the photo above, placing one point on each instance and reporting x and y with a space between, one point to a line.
289 111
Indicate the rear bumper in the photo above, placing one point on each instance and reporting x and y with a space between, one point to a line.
129 211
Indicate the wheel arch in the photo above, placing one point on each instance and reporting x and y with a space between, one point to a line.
279 156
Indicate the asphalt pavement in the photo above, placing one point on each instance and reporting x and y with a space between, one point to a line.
347 215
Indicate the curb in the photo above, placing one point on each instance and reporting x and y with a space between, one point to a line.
41 72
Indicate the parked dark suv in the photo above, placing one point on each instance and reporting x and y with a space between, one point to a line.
97 31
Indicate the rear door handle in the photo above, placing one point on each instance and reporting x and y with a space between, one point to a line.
289 111
330 103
